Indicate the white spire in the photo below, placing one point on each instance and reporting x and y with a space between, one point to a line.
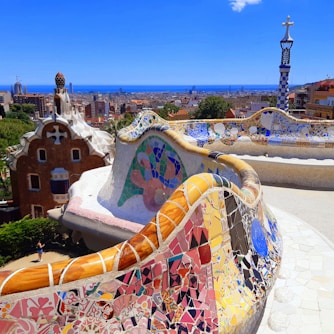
287 24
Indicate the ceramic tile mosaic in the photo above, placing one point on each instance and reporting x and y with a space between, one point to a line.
211 274
155 166
270 126
205 263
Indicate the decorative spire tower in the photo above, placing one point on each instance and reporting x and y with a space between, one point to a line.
283 90
62 104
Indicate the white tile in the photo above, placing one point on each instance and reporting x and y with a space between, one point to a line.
326 304
309 305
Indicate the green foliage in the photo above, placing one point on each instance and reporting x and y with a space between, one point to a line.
19 238
272 99
2 111
25 107
114 126
125 121
213 107
168 108
19 115
11 130
292 105
163 113
5 192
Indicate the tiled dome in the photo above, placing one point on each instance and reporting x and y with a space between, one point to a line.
60 80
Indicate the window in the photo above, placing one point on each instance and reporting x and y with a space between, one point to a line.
34 183
59 185
76 154
37 211
41 155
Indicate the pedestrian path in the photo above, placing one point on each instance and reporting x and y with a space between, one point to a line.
31 260
310 205
302 299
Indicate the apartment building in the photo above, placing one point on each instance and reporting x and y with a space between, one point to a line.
321 99
35 99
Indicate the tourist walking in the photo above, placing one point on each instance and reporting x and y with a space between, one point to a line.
39 247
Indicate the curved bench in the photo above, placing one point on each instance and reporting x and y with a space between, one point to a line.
281 148
206 259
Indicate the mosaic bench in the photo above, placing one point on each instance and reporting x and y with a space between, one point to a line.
200 253
281 148
268 132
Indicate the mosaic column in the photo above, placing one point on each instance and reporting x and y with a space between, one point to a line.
283 89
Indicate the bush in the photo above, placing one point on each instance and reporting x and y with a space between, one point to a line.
19 238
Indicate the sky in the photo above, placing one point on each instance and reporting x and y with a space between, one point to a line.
170 42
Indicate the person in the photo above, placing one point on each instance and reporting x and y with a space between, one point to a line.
39 247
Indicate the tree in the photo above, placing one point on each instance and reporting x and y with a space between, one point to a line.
2 111
213 107
5 189
11 130
125 121
19 115
272 99
114 126
27 108
168 108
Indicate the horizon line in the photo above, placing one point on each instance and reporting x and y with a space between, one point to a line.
161 84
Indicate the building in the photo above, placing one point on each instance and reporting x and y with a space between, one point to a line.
35 99
321 99
17 88
5 99
97 108
51 158
301 98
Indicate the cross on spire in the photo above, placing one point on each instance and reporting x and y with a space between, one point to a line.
56 134
287 24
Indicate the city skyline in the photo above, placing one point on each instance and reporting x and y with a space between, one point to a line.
164 43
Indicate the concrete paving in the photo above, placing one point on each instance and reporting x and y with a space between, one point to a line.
31 260
316 207
302 299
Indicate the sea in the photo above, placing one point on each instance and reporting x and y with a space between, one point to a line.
105 89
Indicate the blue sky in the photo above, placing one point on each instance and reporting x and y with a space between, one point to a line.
189 42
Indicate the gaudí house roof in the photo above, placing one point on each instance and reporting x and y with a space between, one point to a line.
99 142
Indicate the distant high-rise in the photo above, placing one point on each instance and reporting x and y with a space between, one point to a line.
71 88
18 87
283 90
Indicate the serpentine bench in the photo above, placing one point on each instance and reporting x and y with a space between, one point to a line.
192 246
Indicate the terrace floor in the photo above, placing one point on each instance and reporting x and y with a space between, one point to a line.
302 299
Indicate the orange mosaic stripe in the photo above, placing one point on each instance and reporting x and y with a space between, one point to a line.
151 237
125 254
